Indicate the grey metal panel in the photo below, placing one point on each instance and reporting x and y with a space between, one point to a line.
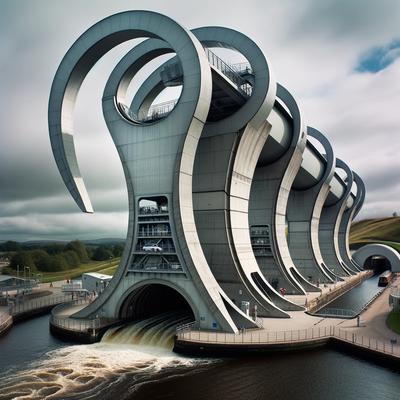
303 217
269 200
181 154
229 254
329 228
214 155
345 224
157 158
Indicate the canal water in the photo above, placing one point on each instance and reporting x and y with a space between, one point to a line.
356 298
125 365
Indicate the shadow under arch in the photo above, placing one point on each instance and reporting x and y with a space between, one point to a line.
371 250
153 297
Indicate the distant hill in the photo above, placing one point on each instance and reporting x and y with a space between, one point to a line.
90 242
384 230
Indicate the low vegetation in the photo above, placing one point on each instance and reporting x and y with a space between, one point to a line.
57 259
383 230
393 321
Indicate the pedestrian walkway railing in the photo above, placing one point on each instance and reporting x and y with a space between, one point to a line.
336 313
316 304
230 72
36 304
395 292
264 337
73 324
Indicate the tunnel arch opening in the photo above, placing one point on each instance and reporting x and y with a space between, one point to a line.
152 299
378 263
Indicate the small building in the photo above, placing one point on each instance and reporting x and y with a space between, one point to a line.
95 282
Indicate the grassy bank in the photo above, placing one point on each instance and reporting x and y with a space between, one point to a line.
393 321
383 230
104 267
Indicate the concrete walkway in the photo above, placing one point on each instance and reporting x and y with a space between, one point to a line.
374 318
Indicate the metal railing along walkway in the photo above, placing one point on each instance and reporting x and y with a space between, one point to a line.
230 72
73 324
36 304
263 337
336 313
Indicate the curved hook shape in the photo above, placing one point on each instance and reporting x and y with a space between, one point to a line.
303 216
151 88
330 223
78 61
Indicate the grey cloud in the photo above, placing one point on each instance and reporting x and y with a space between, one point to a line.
312 46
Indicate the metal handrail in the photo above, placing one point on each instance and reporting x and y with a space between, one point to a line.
337 312
154 233
29 284
35 304
157 267
73 324
395 291
316 304
242 67
229 72
258 336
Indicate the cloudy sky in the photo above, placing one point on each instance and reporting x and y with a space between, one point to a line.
340 58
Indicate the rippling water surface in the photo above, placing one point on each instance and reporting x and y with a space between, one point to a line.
111 369
130 364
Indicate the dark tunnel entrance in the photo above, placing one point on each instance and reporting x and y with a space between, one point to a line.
377 263
155 299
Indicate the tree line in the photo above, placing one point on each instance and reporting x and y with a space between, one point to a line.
55 257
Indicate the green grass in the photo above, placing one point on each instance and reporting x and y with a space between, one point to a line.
393 321
384 230
105 267
109 270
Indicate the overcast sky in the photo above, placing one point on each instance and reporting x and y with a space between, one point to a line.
340 59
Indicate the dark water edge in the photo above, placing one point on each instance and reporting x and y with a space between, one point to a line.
27 341
312 375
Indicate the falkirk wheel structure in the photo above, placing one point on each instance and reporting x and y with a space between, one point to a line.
232 197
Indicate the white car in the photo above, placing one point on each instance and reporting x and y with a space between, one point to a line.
152 247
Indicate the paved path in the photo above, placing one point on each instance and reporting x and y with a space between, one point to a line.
374 318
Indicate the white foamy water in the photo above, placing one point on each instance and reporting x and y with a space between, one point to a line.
126 357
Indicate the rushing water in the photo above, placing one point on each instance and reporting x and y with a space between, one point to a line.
130 364
111 369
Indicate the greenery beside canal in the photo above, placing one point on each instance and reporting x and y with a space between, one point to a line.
383 230
393 321
31 260
102 267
